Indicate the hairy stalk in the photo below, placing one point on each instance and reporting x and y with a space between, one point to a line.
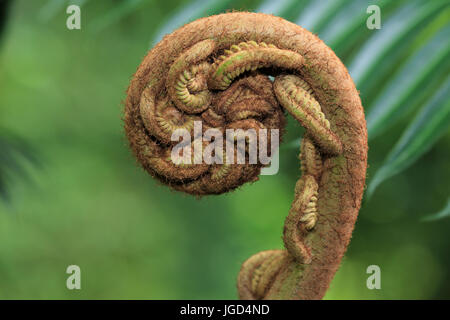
216 70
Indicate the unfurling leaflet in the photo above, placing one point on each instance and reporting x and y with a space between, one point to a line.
247 71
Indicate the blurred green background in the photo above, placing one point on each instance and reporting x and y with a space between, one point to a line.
71 192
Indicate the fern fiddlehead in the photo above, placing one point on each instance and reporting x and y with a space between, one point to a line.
216 71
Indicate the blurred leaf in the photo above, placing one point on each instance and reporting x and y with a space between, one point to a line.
273 7
4 10
347 30
53 7
431 122
327 14
414 80
13 153
194 10
445 212
353 13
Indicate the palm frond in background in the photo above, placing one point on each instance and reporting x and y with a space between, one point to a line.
445 212
191 11
4 7
428 126
397 68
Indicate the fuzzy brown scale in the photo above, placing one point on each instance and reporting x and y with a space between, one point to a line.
215 70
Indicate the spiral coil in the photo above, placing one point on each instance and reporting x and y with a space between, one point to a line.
245 71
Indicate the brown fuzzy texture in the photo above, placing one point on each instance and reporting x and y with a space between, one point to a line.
340 179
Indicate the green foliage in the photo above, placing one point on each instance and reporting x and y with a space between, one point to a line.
15 153
428 126
418 77
445 212
396 70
